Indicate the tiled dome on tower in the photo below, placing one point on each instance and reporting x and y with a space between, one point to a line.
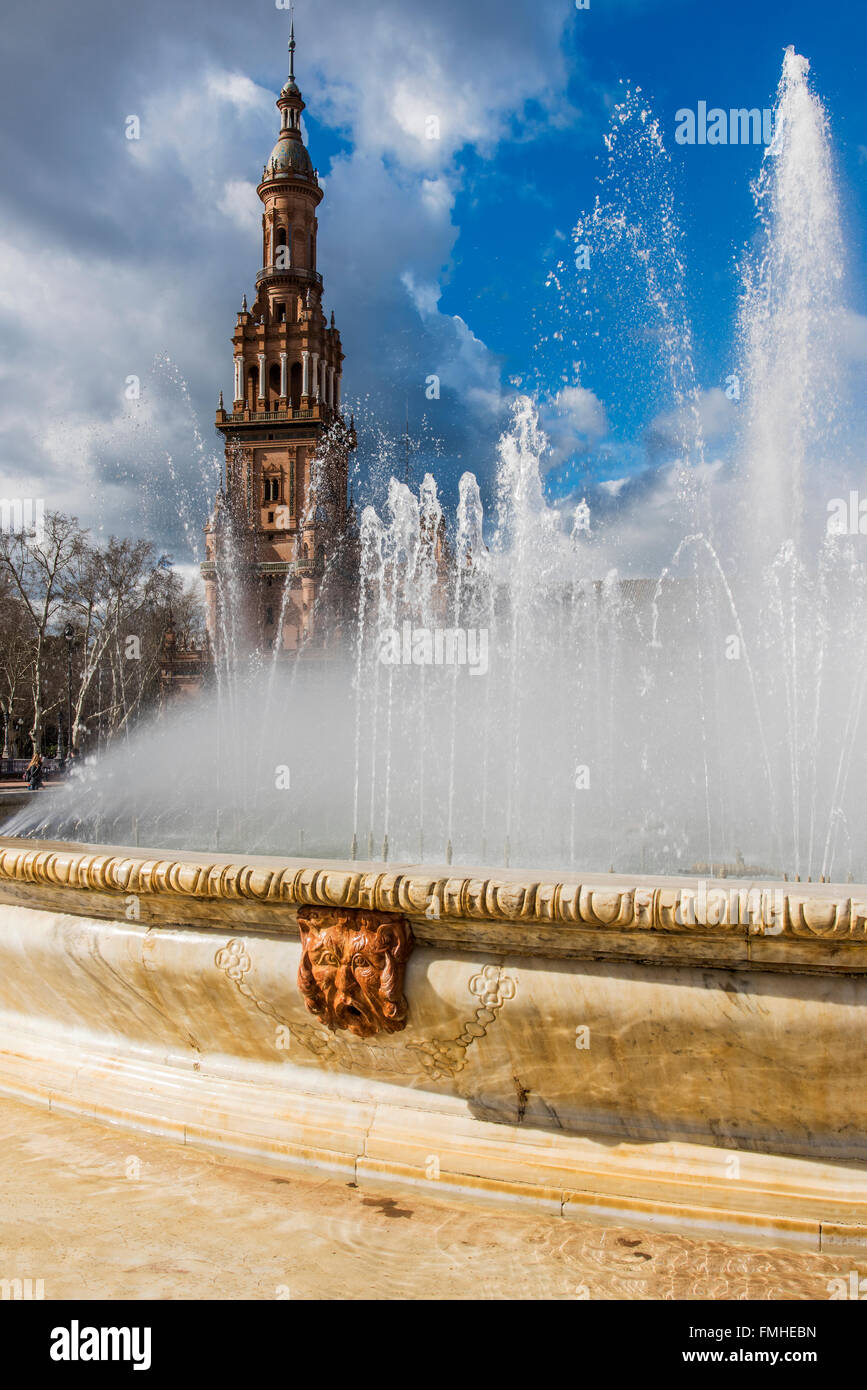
288 157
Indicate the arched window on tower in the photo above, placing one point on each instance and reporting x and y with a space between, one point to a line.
272 490
274 384
252 387
282 248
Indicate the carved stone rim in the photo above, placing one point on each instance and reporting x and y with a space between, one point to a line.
600 903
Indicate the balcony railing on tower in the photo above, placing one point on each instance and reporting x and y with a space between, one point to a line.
273 272
318 410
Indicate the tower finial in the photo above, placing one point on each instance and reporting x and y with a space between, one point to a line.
292 45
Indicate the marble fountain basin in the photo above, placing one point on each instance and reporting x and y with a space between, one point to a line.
636 1049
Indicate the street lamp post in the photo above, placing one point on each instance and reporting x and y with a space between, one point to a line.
69 634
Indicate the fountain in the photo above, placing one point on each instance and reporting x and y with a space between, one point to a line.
607 1027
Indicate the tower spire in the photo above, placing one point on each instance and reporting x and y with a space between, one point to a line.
292 45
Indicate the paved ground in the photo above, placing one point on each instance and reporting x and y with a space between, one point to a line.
17 784
98 1213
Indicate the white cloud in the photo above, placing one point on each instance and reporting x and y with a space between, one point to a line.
472 66
582 411
717 417
194 128
238 89
575 420
240 203
425 298
461 360
437 196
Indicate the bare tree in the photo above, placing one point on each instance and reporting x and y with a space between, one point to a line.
16 660
116 599
104 589
37 569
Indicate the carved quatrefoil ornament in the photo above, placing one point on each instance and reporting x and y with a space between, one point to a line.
352 968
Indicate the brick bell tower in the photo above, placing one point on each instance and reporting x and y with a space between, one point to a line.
279 543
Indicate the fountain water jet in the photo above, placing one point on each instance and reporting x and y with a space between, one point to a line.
601 693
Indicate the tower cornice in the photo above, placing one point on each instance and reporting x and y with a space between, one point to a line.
299 185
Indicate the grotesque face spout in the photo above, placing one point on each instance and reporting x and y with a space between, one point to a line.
352 968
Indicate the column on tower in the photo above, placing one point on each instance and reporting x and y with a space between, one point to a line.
331 387
323 383
315 356
261 357
239 378
283 357
305 373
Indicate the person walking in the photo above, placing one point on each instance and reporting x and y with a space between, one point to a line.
33 775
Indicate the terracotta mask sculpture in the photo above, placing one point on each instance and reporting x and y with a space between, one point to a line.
352 968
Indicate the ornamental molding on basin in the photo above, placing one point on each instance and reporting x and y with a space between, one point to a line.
593 913
420 1026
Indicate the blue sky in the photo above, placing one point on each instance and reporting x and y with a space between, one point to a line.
115 255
